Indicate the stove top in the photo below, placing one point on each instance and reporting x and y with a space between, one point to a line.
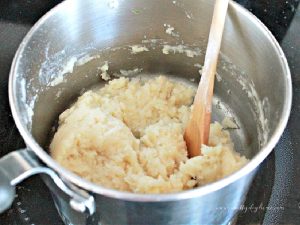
274 197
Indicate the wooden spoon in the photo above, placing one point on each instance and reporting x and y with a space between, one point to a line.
197 130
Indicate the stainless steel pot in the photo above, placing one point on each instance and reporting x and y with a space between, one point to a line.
61 56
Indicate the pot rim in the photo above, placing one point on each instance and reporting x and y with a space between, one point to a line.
187 194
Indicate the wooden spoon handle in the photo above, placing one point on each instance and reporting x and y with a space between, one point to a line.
197 130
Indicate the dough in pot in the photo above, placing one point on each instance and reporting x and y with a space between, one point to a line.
128 136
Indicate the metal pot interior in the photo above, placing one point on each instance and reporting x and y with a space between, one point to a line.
61 57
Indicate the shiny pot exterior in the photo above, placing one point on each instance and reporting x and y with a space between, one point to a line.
61 57
219 207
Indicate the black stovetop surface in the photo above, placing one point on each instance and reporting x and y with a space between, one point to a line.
274 197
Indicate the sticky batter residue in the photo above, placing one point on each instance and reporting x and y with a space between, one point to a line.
167 49
171 30
104 75
138 48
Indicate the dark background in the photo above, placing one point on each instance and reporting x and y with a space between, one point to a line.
274 197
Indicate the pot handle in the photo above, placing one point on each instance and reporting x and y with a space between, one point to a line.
19 165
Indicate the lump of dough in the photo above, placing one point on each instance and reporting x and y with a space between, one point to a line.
128 136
